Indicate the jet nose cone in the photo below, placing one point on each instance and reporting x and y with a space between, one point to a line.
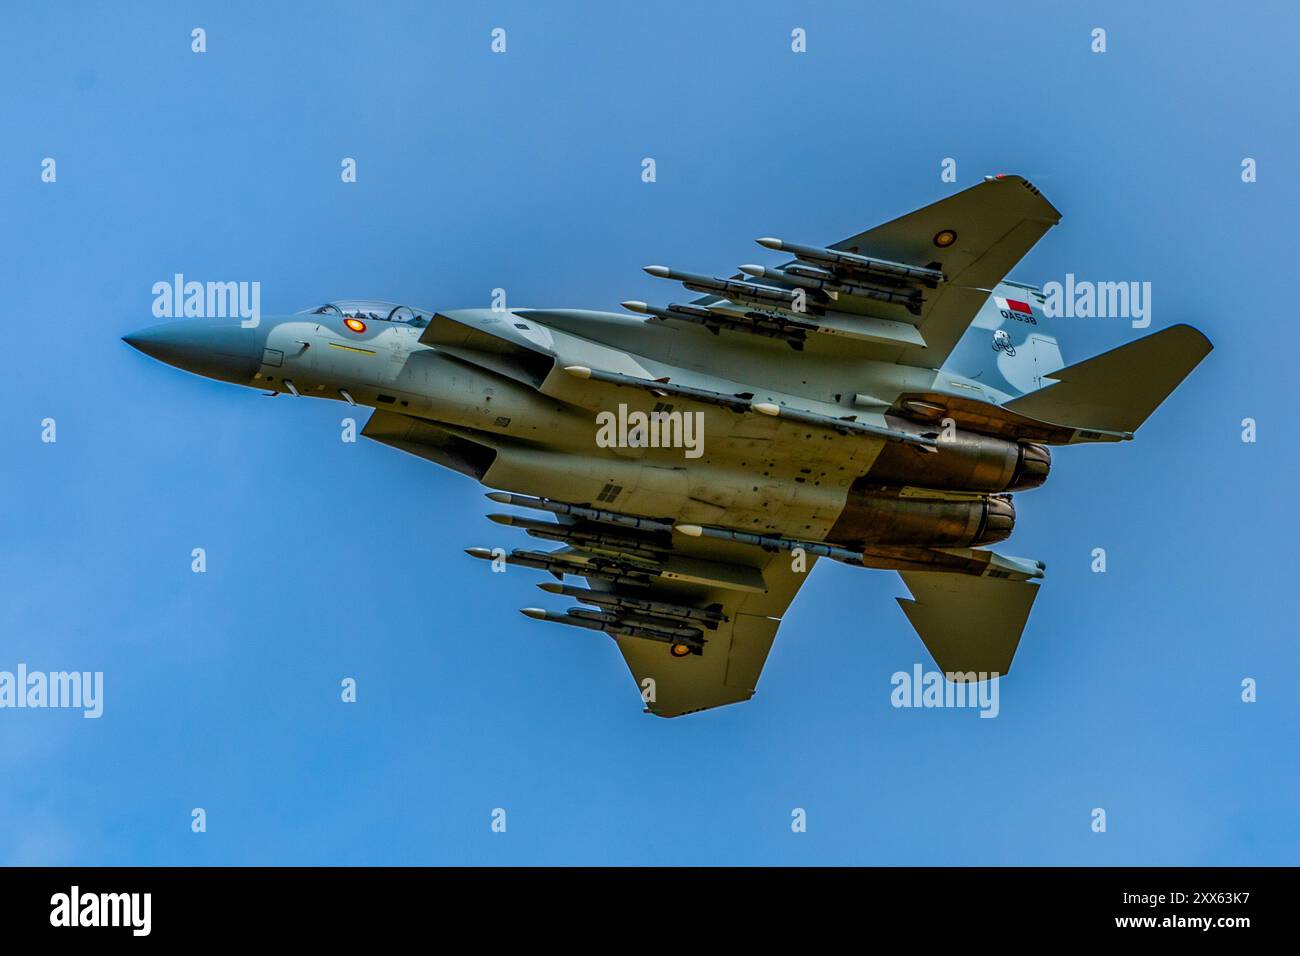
216 348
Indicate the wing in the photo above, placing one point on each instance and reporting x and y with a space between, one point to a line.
993 225
727 671
905 291
694 618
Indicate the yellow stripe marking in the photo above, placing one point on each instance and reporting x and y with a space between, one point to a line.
351 348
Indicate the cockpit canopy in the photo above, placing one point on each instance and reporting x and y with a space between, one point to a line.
369 310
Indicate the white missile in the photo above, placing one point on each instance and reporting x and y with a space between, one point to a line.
854 262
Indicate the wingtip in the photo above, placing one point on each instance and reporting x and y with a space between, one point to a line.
1205 339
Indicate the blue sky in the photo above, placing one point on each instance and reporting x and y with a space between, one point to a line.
522 171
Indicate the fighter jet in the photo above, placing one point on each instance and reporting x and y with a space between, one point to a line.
876 402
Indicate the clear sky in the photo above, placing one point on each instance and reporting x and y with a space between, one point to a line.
523 171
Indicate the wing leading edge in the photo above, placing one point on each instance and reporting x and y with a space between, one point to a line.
906 290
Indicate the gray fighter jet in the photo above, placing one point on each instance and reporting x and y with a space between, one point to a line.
876 402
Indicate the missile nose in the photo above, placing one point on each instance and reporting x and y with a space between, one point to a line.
216 348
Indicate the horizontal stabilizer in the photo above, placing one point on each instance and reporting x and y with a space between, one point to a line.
1118 390
968 623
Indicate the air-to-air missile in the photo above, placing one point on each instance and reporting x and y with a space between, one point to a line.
709 617
744 402
733 289
663 387
790 330
773 542
852 262
829 285
684 640
580 511
583 538
558 564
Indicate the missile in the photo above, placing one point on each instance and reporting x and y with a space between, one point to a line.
580 511
541 614
594 621
554 531
674 311
514 521
682 313
663 387
772 542
827 282
744 402
961 560
710 617
846 426
791 331
853 262
605 569
667 632
729 288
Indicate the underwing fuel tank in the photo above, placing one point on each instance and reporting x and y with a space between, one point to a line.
963 461
875 516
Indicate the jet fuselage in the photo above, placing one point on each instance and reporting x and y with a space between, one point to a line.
760 476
